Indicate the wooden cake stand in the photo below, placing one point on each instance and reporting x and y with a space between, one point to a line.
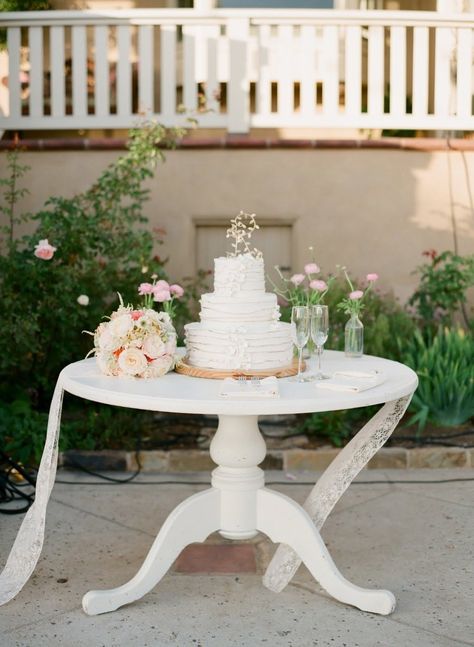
219 374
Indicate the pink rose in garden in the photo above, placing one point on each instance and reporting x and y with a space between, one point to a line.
44 250
161 295
145 288
357 294
372 277
318 285
311 268
297 279
177 290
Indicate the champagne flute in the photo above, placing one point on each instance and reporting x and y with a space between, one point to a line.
319 334
300 333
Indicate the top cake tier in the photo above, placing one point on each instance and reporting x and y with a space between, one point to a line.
236 274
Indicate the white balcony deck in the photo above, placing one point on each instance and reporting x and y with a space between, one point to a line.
239 69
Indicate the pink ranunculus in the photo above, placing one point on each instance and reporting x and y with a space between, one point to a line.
311 268
297 279
177 290
357 294
145 288
372 277
136 314
161 295
44 250
320 286
161 285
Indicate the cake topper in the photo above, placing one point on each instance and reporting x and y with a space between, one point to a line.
241 230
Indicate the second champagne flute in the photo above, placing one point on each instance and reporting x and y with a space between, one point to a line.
300 333
319 334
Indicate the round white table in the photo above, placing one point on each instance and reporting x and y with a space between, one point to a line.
237 505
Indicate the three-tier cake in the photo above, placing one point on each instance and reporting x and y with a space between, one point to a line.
239 326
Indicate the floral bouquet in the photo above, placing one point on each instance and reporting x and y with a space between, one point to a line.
135 343
304 289
353 304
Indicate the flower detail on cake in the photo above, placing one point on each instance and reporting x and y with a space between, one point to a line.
241 230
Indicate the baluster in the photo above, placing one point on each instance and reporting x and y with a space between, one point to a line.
353 71
285 71
398 81
375 90
58 78
420 71
189 71
238 87
306 71
102 72
35 41
124 71
264 97
79 71
168 72
14 85
443 86
145 70
331 71
464 73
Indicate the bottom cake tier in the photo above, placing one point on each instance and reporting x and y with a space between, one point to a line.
253 347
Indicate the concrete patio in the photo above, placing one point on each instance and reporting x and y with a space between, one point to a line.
416 540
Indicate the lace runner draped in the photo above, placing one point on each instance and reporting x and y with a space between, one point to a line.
27 547
334 482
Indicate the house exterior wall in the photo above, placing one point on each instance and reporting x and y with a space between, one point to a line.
372 210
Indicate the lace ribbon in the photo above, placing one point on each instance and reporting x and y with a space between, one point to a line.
334 482
27 547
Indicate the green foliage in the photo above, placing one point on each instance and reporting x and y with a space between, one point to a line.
337 426
444 281
444 364
103 246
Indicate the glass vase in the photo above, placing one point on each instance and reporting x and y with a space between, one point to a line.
354 337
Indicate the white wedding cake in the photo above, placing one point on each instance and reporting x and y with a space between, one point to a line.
239 327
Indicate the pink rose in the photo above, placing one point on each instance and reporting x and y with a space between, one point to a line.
372 277
311 268
177 290
296 279
161 295
136 314
320 286
44 250
145 288
357 294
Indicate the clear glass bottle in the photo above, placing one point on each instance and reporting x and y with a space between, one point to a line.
354 337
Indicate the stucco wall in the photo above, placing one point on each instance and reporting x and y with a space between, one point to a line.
373 210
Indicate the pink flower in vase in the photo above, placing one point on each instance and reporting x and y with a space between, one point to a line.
357 294
177 290
318 285
297 279
145 288
44 250
161 295
311 268
372 277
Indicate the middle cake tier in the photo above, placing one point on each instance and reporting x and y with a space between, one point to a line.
245 308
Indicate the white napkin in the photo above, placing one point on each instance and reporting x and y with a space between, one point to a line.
352 381
265 388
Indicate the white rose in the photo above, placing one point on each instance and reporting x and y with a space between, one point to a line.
153 346
120 326
106 340
83 300
160 366
107 363
132 361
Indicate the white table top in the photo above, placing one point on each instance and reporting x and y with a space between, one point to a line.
182 394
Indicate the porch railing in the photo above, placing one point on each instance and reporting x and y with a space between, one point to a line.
238 69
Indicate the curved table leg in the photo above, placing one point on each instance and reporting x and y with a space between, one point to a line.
283 520
334 482
192 521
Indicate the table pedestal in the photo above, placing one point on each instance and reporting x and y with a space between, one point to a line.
239 506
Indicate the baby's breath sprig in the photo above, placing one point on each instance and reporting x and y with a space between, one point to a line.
241 230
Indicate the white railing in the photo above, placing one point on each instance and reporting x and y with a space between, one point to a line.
239 68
